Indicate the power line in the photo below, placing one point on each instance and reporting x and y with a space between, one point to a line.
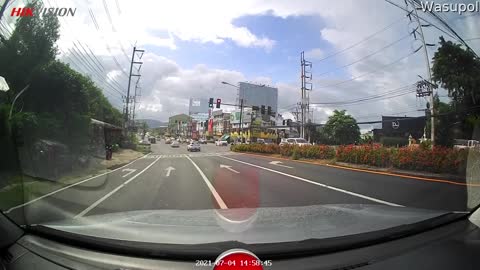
404 89
374 71
361 41
367 56
446 25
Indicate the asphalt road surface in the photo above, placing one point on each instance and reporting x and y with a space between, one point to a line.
173 178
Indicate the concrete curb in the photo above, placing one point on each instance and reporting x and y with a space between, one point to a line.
437 176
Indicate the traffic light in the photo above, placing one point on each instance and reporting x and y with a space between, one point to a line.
210 103
219 101
269 110
262 110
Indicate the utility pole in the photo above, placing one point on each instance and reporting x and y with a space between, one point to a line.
2 10
306 85
132 62
427 63
241 124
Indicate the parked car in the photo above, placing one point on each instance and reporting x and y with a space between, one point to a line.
210 141
193 146
221 143
152 140
202 141
175 144
168 141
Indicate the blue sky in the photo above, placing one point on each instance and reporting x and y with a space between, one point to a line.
291 35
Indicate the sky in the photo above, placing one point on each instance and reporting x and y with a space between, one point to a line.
192 46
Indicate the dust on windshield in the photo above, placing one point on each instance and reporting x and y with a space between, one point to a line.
165 112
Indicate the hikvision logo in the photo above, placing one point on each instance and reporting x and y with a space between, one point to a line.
29 12
460 8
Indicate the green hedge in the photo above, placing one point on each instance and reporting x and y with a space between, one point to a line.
311 151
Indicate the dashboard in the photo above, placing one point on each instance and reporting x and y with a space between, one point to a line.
452 246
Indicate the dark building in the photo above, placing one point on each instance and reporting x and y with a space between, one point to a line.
402 127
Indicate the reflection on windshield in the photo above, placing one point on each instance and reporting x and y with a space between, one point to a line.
236 117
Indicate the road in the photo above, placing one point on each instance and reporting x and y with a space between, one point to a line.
173 178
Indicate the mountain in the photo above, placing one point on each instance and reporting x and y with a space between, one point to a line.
152 123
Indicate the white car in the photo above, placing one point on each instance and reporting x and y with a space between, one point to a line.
194 146
221 143
301 142
294 141
175 144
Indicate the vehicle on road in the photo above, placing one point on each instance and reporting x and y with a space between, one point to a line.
193 147
464 144
202 141
221 142
168 141
152 140
301 142
286 141
175 144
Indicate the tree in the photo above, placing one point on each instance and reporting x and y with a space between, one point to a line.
456 70
342 128
32 44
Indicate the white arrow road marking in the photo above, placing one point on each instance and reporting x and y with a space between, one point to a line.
95 204
130 171
169 169
278 163
228 168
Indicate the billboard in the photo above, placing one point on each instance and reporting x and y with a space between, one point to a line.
235 117
198 105
258 95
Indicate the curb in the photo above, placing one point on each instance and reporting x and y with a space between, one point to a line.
428 177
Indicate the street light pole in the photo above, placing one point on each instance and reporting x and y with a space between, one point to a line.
241 113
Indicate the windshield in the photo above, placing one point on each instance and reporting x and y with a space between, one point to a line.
305 116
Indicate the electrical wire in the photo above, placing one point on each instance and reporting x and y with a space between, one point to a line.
366 56
361 41
368 73
403 89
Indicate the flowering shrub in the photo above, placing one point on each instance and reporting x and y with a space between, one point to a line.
437 160
312 151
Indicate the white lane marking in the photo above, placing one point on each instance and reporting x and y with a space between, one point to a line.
95 204
215 194
169 169
130 171
278 163
71 185
318 184
228 168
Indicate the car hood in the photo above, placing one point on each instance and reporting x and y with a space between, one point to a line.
249 226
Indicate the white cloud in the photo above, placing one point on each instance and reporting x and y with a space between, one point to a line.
314 54
166 86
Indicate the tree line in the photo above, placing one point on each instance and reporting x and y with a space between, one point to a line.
59 101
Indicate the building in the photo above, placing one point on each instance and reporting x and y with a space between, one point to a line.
400 127
179 125
221 123
198 106
258 95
